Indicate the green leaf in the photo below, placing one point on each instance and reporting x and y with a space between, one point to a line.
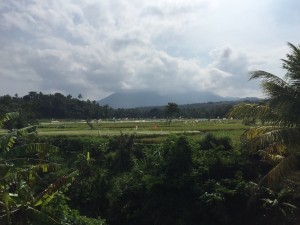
6 199
8 116
53 188
44 168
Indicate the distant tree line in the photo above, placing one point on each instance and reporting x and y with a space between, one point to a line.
58 106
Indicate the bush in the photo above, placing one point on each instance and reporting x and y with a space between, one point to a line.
211 142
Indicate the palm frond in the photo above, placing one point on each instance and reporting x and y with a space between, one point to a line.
274 89
282 136
292 65
281 93
271 157
274 153
284 98
286 136
255 132
281 171
244 110
260 74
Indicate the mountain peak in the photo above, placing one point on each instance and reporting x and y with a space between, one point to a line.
147 98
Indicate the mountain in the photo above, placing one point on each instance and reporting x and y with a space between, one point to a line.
142 99
133 99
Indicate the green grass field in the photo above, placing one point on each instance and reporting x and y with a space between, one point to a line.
148 131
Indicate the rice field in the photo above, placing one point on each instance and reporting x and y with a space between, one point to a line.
146 130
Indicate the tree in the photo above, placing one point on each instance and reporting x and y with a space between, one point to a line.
171 111
155 113
22 163
276 136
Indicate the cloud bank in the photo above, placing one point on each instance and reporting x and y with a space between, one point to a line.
99 47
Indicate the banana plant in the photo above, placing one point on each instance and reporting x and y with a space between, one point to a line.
21 163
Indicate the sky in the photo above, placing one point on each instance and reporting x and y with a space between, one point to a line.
99 47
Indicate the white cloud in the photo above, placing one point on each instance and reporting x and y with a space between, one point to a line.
99 47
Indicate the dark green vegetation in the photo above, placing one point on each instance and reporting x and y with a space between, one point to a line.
35 106
30 177
156 172
123 180
179 181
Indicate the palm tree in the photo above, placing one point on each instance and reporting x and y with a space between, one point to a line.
276 135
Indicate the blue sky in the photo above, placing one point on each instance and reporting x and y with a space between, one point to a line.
97 47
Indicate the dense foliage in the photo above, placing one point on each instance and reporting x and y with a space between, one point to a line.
176 182
57 106
39 105
122 181
31 176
